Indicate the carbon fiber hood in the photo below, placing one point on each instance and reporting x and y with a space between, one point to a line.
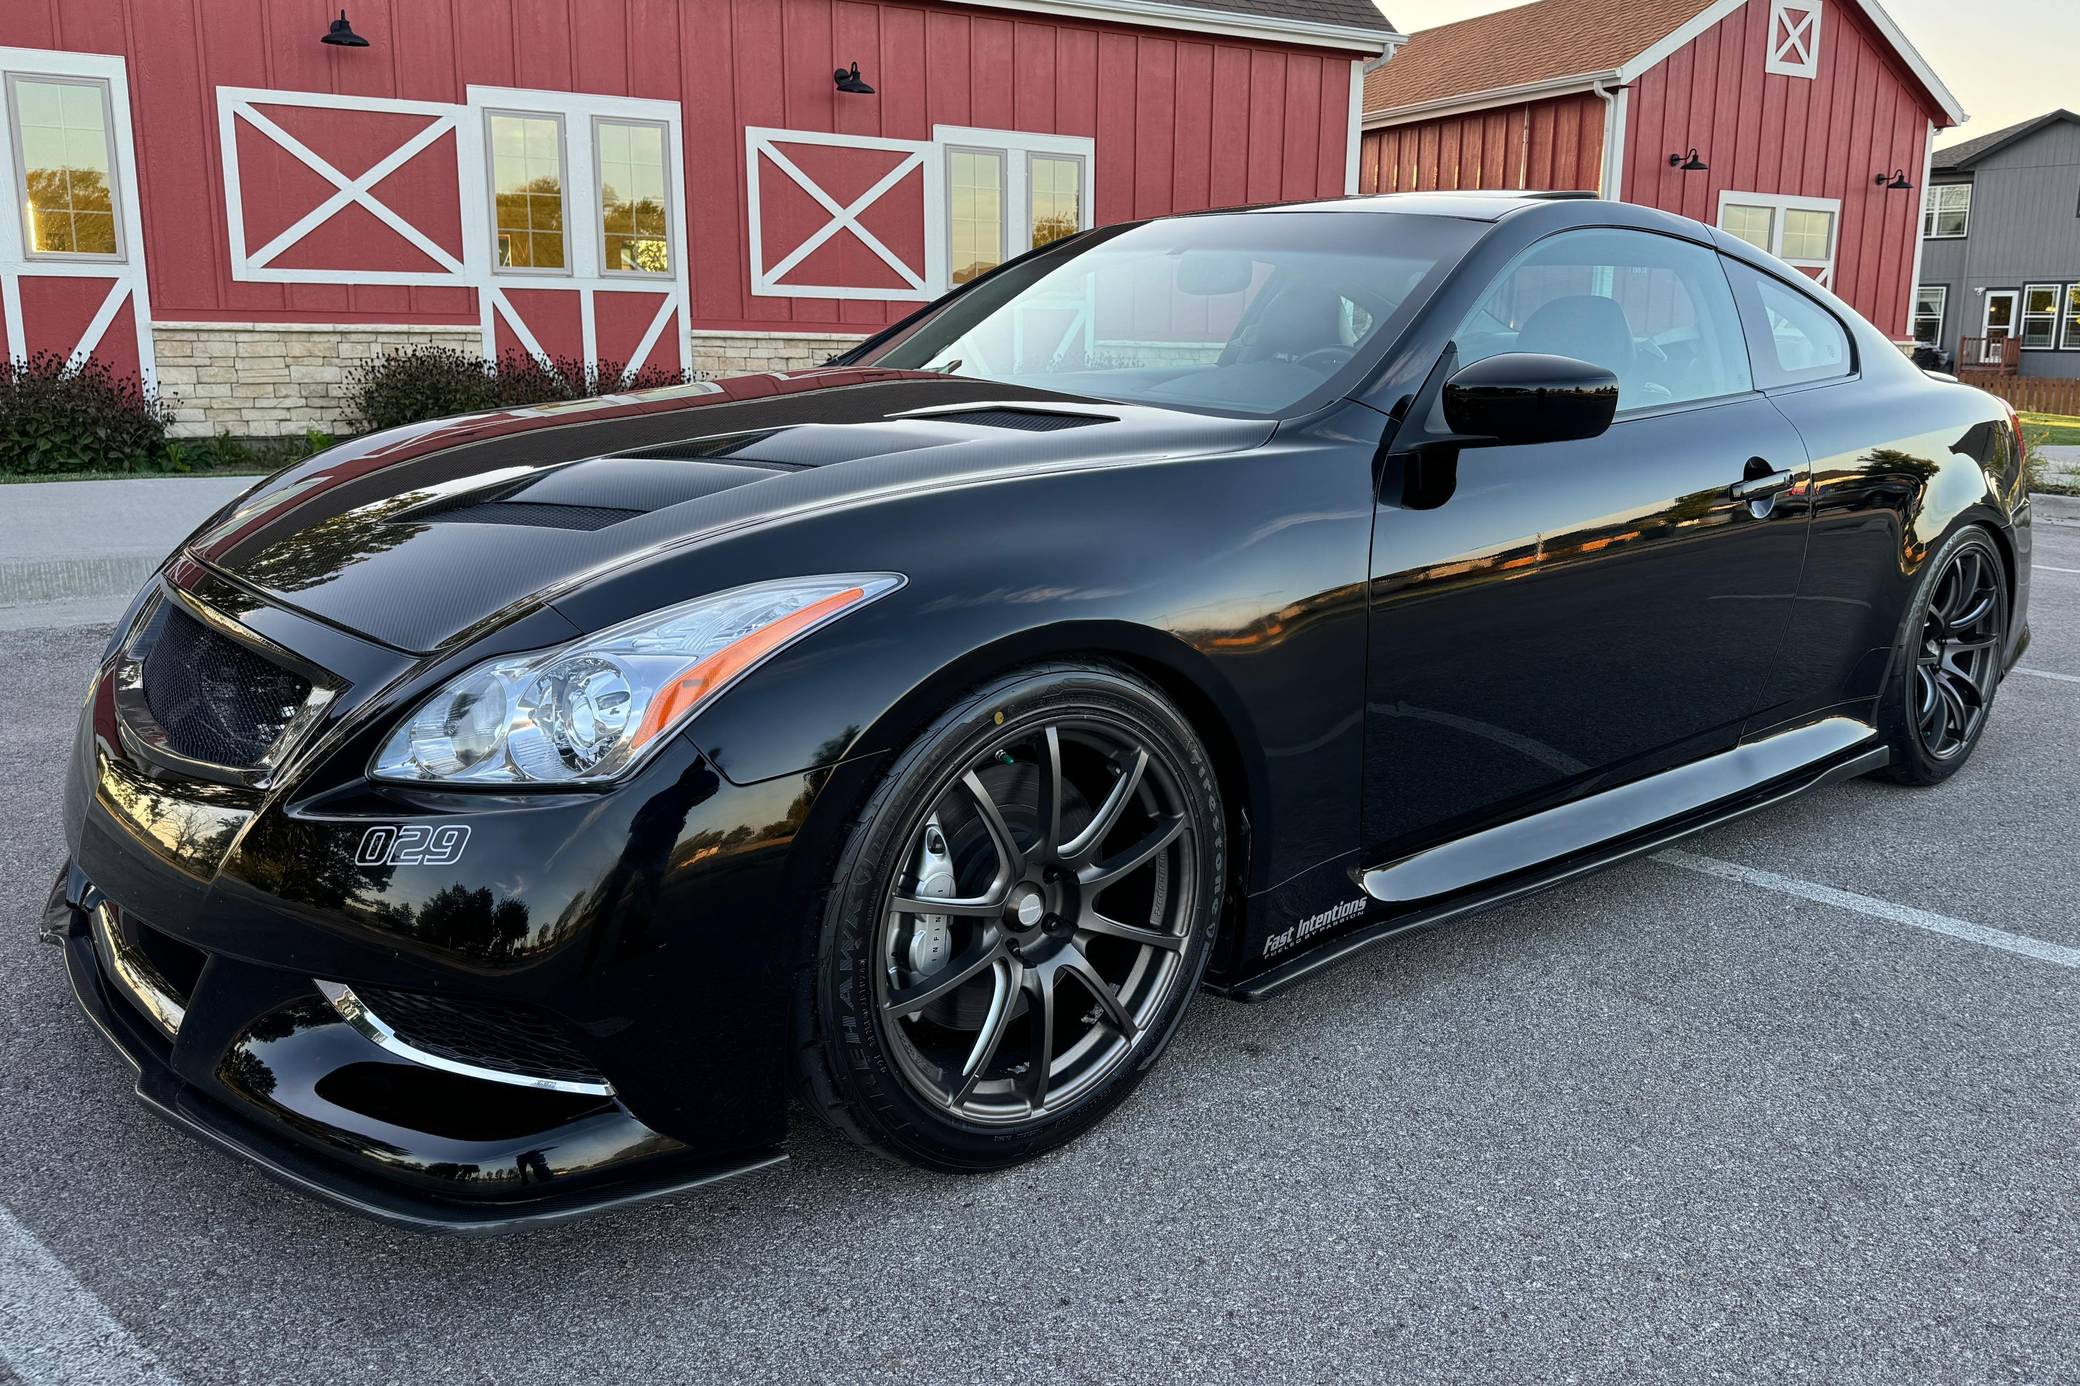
419 536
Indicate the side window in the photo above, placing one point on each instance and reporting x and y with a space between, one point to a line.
1653 310
1791 337
527 192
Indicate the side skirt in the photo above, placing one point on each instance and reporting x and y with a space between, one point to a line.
1518 859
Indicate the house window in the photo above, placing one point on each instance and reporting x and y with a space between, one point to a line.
2040 316
66 155
975 212
1794 38
1798 230
1930 300
1949 214
527 184
2069 339
1054 192
634 212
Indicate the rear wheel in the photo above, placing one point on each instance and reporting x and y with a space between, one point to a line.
1021 913
1949 666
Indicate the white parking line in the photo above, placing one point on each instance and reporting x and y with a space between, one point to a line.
52 1328
2045 674
2048 568
1875 908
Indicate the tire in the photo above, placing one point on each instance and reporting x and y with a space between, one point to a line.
898 1057
1948 662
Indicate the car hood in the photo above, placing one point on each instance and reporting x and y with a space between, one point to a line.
420 536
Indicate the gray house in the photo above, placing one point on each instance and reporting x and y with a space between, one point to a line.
2000 253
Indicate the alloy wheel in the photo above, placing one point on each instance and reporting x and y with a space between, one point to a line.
1040 923
1957 664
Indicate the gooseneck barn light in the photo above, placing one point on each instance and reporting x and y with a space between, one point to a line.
342 34
849 81
1896 183
1689 163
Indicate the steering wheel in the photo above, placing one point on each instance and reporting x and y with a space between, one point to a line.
1327 360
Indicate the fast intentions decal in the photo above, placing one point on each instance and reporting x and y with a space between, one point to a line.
1312 925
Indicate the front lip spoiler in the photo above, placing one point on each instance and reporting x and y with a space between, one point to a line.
183 1106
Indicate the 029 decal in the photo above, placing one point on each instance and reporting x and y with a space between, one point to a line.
412 844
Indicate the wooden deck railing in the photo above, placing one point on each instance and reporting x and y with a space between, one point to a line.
2000 355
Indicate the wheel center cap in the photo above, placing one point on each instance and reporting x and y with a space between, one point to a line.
1030 910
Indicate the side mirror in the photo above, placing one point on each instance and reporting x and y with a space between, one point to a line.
1521 398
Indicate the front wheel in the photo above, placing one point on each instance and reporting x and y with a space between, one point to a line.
1019 917
1948 668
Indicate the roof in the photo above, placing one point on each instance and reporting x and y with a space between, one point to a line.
1521 47
1963 156
1355 25
1553 46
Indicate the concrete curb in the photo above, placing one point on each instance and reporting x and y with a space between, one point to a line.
2056 510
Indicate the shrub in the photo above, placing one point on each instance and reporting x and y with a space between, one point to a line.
431 382
54 419
225 453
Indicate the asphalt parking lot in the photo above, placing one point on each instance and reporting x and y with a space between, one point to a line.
1798 1107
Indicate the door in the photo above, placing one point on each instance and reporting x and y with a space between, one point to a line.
1550 620
72 272
1999 327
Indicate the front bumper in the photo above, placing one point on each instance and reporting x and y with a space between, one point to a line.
498 1159
640 940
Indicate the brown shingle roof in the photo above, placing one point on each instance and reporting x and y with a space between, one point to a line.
1355 14
1546 41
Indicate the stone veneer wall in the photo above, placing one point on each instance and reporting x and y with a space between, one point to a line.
266 380
269 380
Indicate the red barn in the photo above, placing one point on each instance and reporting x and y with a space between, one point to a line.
1803 126
214 195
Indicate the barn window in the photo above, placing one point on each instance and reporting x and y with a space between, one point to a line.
1800 230
633 207
1949 214
975 212
67 161
1794 38
1930 300
1054 193
527 184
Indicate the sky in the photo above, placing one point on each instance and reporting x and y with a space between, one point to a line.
2006 60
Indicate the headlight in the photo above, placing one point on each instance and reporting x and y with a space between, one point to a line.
592 709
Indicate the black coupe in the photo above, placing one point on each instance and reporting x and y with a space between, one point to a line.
499 818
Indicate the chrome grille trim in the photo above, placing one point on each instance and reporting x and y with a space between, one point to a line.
355 1012
135 976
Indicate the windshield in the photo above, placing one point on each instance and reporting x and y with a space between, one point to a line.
1260 313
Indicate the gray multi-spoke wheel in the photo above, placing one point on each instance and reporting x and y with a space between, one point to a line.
1024 909
1951 660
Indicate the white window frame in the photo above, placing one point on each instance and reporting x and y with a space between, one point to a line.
1798 53
563 166
1083 195
599 199
1930 218
13 115
1783 203
1018 148
1004 162
2023 316
2069 318
1941 293
2014 330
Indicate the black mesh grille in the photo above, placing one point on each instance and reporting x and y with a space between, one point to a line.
538 514
727 445
488 1034
216 700
1030 420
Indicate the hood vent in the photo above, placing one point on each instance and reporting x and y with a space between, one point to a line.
1025 420
535 514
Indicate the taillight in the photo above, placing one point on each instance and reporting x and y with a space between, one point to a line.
2015 424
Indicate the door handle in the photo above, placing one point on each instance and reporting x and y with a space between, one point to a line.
1759 487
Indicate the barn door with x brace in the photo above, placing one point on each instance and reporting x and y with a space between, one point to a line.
72 271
